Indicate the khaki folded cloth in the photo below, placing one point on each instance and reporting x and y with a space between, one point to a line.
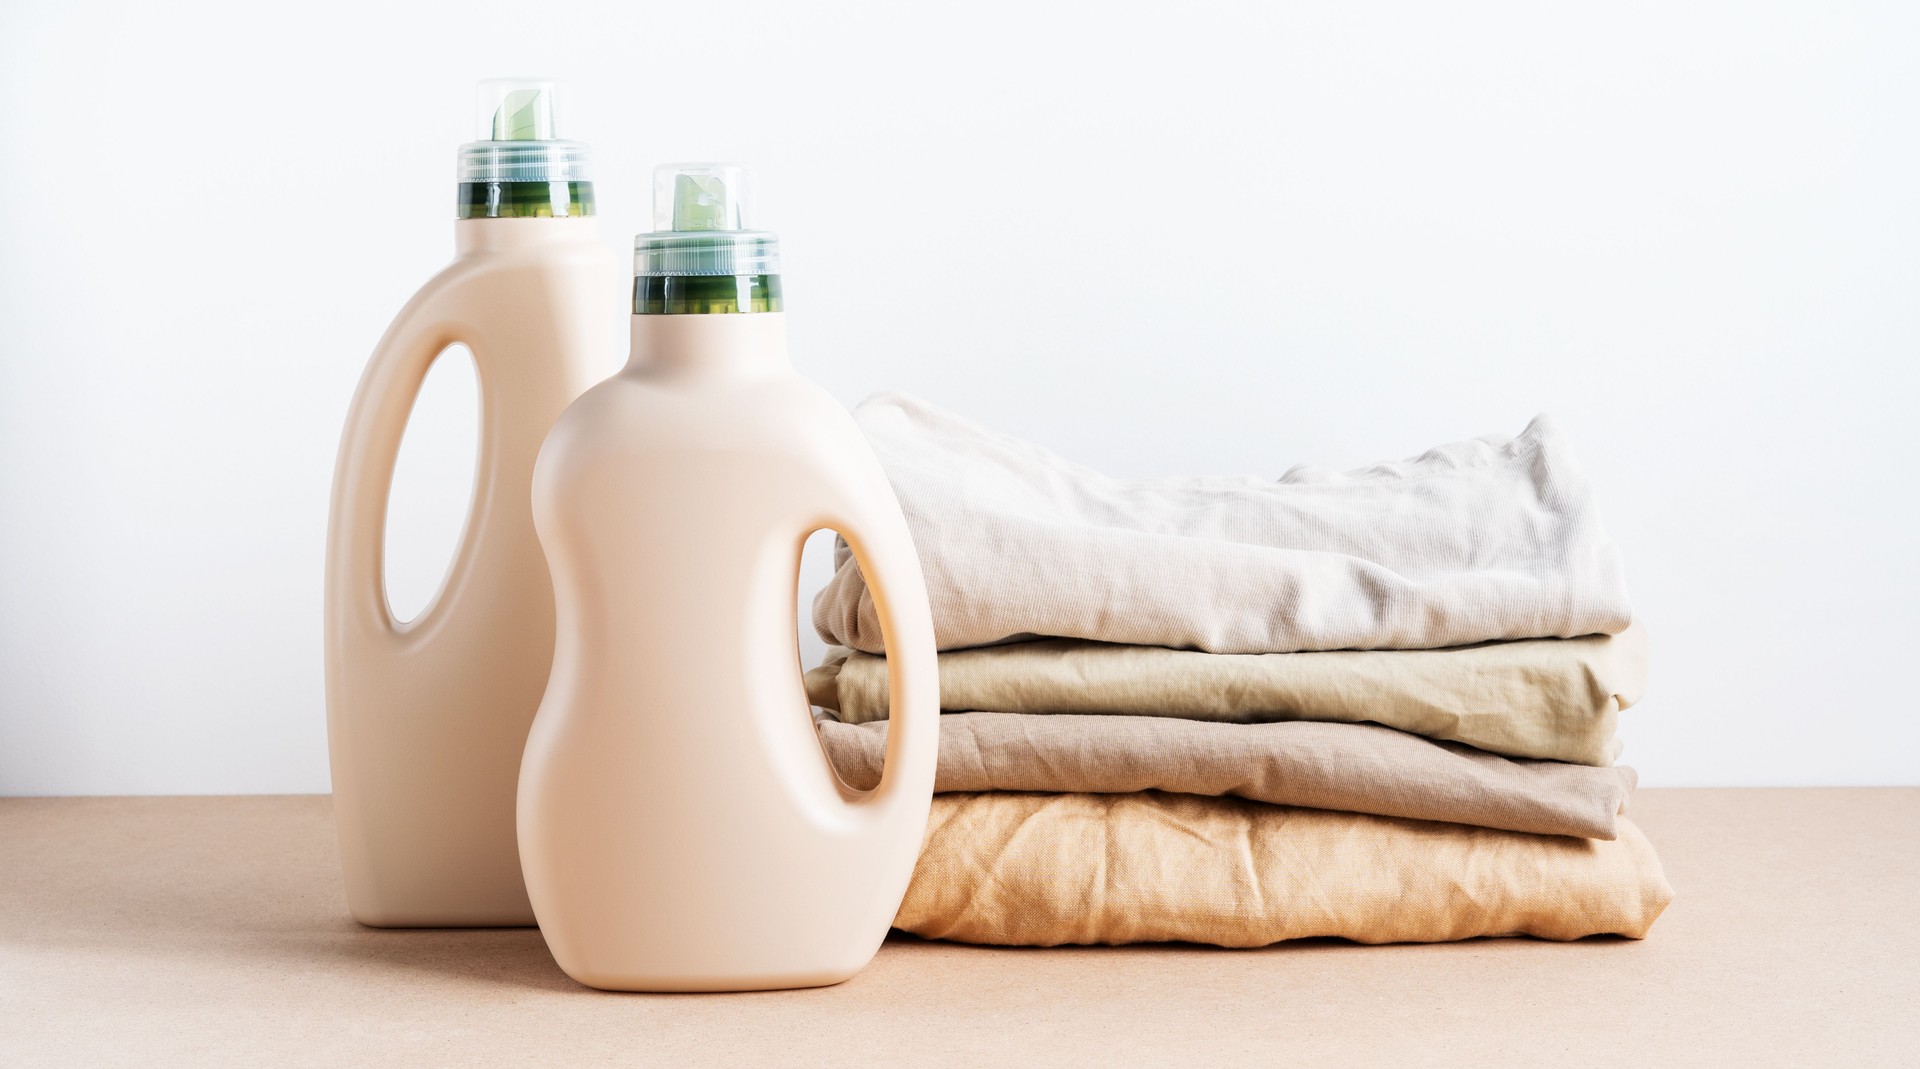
1492 538
1361 768
1556 699
1046 869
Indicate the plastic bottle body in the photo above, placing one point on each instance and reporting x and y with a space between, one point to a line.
680 827
426 719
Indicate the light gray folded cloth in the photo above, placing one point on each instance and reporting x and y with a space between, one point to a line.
1357 768
1491 538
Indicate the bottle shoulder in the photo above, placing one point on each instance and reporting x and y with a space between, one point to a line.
786 420
503 290
769 404
569 259
573 260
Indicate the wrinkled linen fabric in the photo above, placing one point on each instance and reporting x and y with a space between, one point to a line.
1491 538
1556 699
1048 869
1360 768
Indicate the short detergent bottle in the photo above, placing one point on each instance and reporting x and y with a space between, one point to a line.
680 826
426 718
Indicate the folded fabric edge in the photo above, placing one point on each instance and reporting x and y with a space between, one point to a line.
856 753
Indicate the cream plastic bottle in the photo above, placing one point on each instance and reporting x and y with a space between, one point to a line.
680 826
426 718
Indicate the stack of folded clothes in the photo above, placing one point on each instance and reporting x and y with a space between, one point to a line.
1378 704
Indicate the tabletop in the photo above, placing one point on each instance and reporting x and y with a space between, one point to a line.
213 931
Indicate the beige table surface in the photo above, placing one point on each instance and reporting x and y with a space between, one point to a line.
212 931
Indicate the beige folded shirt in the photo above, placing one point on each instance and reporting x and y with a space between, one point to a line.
1046 869
1362 768
1556 699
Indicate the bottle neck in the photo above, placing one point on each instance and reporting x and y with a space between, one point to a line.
705 348
506 235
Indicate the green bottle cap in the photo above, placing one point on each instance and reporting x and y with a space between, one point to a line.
519 136
700 225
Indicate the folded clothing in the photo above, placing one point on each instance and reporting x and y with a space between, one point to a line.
1492 538
1047 869
1556 699
1362 768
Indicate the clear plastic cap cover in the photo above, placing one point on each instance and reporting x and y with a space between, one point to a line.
518 128
700 213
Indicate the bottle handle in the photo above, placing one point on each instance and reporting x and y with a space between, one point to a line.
886 557
363 475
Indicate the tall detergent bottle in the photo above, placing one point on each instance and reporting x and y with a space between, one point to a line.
680 827
426 719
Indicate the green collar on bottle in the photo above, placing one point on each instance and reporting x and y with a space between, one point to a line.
705 294
523 200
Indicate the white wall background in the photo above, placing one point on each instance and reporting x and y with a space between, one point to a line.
1158 238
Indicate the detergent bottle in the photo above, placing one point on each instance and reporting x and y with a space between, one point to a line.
426 718
680 826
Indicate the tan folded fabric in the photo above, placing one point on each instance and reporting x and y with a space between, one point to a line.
1361 768
1556 699
1046 869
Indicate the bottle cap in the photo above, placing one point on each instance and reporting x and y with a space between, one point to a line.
519 126
700 225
